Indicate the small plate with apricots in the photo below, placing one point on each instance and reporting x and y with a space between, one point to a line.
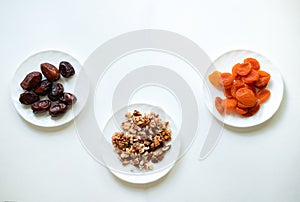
243 88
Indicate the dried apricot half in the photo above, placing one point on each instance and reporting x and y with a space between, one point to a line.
227 93
246 97
263 79
244 69
234 72
241 111
219 105
214 78
230 105
252 110
251 77
263 95
254 63
226 79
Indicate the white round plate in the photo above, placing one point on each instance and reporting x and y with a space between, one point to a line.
33 64
224 64
130 173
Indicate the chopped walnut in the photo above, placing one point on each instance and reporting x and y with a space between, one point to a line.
142 140
157 142
166 134
119 140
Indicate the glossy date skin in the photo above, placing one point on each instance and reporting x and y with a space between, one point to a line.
31 80
44 87
58 109
66 69
50 72
57 90
28 98
67 98
41 106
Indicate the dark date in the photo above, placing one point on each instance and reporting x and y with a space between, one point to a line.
56 91
31 80
58 109
29 97
41 106
66 69
44 87
50 71
67 98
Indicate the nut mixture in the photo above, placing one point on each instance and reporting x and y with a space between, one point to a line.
143 140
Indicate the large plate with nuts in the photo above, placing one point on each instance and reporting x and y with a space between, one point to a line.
267 109
33 64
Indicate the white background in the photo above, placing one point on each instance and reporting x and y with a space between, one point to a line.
45 165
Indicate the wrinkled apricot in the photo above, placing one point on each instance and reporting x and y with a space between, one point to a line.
263 79
246 97
226 79
263 74
251 77
230 105
214 78
241 105
227 93
254 109
254 63
243 69
219 105
233 91
241 111
233 71
239 83
263 95
251 87
236 85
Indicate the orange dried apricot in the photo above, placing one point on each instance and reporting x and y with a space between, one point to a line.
236 85
233 71
241 111
227 93
251 77
251 87
263 95
252 110
226 79
230 105
246 97
233 91
219 105
214 78
239 83
243 69
263 79
241 105
254 63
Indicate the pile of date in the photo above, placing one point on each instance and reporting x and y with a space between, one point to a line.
56 101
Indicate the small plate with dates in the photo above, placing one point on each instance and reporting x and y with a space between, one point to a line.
64 83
